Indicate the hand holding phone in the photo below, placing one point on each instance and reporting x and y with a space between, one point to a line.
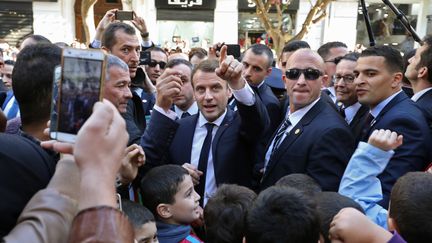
124 15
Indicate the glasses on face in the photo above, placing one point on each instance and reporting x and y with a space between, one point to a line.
154 63
348 79
309 73
335 61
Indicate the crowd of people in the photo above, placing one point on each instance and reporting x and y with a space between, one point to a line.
329 146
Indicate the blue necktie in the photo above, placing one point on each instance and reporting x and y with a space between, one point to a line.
203 160
185 114
280 133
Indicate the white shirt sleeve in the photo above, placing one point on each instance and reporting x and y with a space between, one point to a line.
170 114
244 95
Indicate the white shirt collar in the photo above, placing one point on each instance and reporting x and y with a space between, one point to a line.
193 109
377 110
297 115
419 94
202 121
351 111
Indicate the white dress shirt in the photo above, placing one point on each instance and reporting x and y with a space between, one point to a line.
351 111
193 109
419 94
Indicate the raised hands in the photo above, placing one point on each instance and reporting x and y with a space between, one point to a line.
133 159
230 70
107 19
140 25
168 85
385 139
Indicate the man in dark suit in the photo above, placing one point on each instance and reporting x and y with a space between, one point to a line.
419 74
313 139
232 136
379 76
350 109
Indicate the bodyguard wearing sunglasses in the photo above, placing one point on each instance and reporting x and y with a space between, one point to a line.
313 139
157 63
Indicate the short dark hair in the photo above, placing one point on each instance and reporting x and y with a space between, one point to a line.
352 56
282 214
32 81
160 185
295 45
392 57
109 36
201 53
225 214
137 213
324 50
260 49
206 66
38 39
328 205
426 57
155 48
177 61
301 182
411 206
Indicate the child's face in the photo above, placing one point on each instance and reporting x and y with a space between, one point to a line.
185 208
146 233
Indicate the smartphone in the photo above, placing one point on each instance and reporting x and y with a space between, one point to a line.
54 102
232 49
123 15
145 58
82 77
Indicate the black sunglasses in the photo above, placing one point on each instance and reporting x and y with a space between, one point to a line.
309 73
154 63
335 61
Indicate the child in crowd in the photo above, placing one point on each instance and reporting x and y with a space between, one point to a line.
225 214
410 208
168 192
282 214
142 220
301 182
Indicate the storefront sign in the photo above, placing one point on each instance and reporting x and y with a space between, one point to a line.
250 5
186 4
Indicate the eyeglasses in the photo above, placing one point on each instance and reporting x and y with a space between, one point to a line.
348 79
336 60
309 73
154 63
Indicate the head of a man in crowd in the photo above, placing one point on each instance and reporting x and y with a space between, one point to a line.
34 70
210 91
331 53
6 73
378 74
257 63
303 78
34 40
120 39
344 79
282 214
197 55
1 58
420 65
289 49
157 64
185 98
117 82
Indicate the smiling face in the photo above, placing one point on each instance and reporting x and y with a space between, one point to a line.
185 208
344 82
127 48
211 94
374 81
116 89
302 91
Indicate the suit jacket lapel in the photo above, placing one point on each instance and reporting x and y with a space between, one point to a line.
357 117
398 98
295 133
224 125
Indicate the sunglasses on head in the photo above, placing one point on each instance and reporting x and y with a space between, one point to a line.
154 63
309 73
335 61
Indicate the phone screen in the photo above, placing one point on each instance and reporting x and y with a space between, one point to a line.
79 90
54 102
124 15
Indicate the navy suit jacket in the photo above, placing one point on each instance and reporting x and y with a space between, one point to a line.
358 122
272 105
425 104
401 115
170 142
320 145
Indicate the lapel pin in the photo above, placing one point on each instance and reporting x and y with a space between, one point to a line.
297 131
